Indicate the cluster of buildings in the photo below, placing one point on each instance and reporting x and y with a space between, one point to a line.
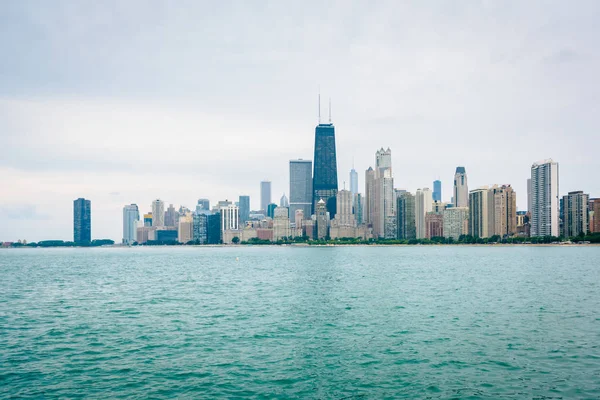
318 209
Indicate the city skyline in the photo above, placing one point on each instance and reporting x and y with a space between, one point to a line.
89 128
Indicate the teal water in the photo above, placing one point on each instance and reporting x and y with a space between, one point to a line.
331 322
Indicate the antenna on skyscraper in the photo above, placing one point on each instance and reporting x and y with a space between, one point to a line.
319 105
330 110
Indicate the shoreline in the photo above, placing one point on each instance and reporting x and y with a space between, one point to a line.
303 245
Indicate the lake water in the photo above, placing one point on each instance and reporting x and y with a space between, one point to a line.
275 322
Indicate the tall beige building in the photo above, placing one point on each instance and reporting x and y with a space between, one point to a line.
423 205
505 210
281 224
185 229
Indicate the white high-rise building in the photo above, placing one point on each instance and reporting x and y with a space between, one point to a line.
423 205
461 189
382 202
544 199
131 216
229 217
158 213
344 216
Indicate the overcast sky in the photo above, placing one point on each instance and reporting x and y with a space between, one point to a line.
126 101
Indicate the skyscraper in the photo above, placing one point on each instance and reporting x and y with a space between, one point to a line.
437 190
344 216
325 182
158 213
244 204
481 213
380 199
82 221
423 204
461 189
265 195
301 187
405 216
505 210
131 216
353 182
575 213
544 198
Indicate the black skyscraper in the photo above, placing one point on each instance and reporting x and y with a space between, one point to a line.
82 221
325 182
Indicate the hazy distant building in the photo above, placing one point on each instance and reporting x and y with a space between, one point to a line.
456 222
131 216
283 201
423 204
158 213
437 190
148 219
265 195
369 204
325 182
203 204
82 221
575 213
171 216
353 182
301 187
461 189
405 216
244 205
544 199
